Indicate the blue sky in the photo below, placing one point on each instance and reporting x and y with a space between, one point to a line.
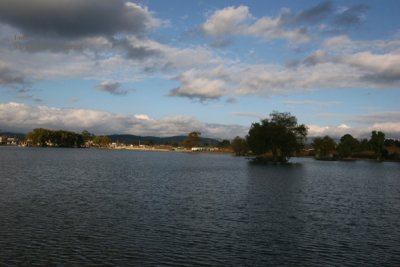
163 68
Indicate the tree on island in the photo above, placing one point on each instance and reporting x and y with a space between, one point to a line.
239 146
280 136
192 140
377 143
348 146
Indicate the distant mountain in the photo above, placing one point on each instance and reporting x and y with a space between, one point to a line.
12 135
135 139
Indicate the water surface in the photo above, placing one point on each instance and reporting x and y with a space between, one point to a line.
89 207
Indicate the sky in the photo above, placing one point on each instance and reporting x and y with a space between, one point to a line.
164 68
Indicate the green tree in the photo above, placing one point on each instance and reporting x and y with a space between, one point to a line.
239 146
87 136
280 135
102 141
224 144
348 146
192 140
60 138
39 136
377 143
325 147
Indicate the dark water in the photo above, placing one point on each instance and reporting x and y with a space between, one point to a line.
77 207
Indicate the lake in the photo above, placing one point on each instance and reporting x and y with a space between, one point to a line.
92 207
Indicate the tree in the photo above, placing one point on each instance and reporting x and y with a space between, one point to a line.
61 138
280 135
224 144
347 146
192 140
102 141
87 136
39 136
377 143
325 147
239 146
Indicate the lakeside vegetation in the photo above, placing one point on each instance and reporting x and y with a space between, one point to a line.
280 137
275 139
377 147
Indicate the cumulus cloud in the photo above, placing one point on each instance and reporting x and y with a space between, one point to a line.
76 18
232 21
199 85
111 87
227 21
377 68
22 117
360 65
62 26
287 25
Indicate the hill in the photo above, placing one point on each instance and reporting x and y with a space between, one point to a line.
135 139
13 135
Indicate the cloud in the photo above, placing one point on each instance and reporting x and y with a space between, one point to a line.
76 18
11 77
314 14
352 16
380 69
391 130
200 86
376 118
297 28
111 87
272 28
227 21
312 103
238 21
24 118
231 100
362 125
60 45
250 114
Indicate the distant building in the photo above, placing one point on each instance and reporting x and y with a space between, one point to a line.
208 149
3 140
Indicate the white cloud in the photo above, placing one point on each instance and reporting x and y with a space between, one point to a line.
142 117
199 85
272 28
238 21
362 125
22 117
227 21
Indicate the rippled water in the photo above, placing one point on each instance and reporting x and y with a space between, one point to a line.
88 207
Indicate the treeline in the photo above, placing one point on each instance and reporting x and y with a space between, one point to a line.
376 147
280 137
61 138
